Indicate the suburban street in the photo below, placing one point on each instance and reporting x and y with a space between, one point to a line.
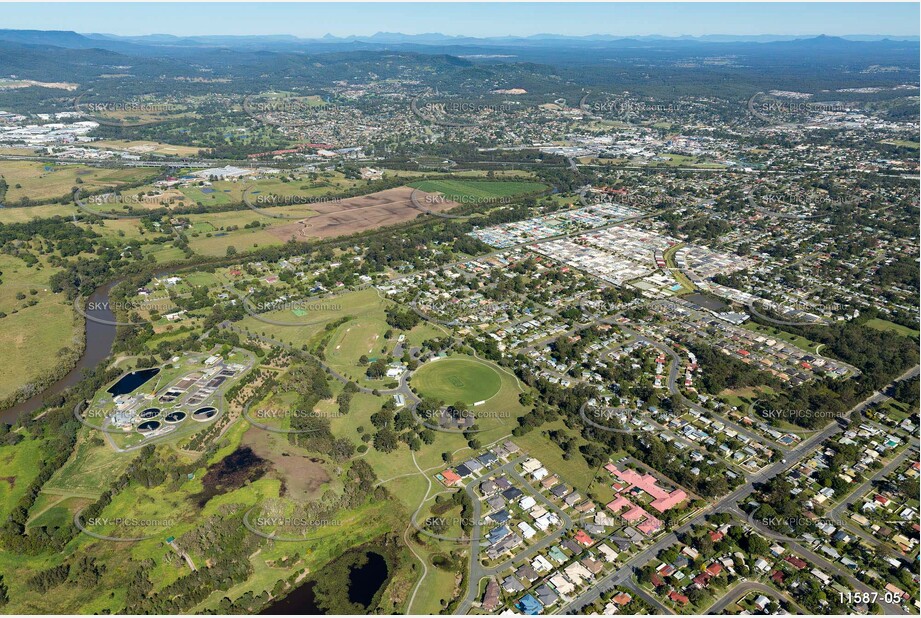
729 503
839 513
477 571
738 591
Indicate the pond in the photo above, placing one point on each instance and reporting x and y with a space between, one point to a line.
300 602
706 302
365 582
129 382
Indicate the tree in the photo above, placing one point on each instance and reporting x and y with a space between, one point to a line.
377 369
386 441
756 545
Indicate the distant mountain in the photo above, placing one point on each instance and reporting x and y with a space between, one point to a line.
842 61
395 40
58 38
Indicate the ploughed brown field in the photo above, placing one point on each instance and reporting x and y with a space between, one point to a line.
358 214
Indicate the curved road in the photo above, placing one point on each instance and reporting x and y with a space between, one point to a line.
477 571
741 589
729 503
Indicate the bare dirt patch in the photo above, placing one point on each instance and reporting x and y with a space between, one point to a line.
358 214
303 477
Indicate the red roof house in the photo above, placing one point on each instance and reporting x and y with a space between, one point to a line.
796 562
583 539
622 598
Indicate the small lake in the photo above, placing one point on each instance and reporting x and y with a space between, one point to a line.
300 602
129 382
364 583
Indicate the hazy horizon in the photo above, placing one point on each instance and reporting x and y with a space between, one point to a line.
479 20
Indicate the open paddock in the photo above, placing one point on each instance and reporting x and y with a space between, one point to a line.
358 214
44 181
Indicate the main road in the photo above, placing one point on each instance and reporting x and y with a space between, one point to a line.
729 503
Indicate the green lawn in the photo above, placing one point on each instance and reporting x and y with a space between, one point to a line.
574 470
354 339
677 160
43 181
880 324
19 466
309 329
22 215
457 378
55 511
679 276
473 190
36 326
776 333
91 466
903 143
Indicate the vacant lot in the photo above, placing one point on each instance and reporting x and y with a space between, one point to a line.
23 215
801 342
44 181
19 465
880 324
304 478
145 147
357 214
36 323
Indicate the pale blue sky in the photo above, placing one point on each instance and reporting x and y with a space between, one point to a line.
472 19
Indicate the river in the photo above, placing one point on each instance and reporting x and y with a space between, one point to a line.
99 339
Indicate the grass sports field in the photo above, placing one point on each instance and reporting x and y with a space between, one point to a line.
360 306
457 378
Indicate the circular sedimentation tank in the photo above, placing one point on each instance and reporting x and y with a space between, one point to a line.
150 413
203 414
175 417
148 426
